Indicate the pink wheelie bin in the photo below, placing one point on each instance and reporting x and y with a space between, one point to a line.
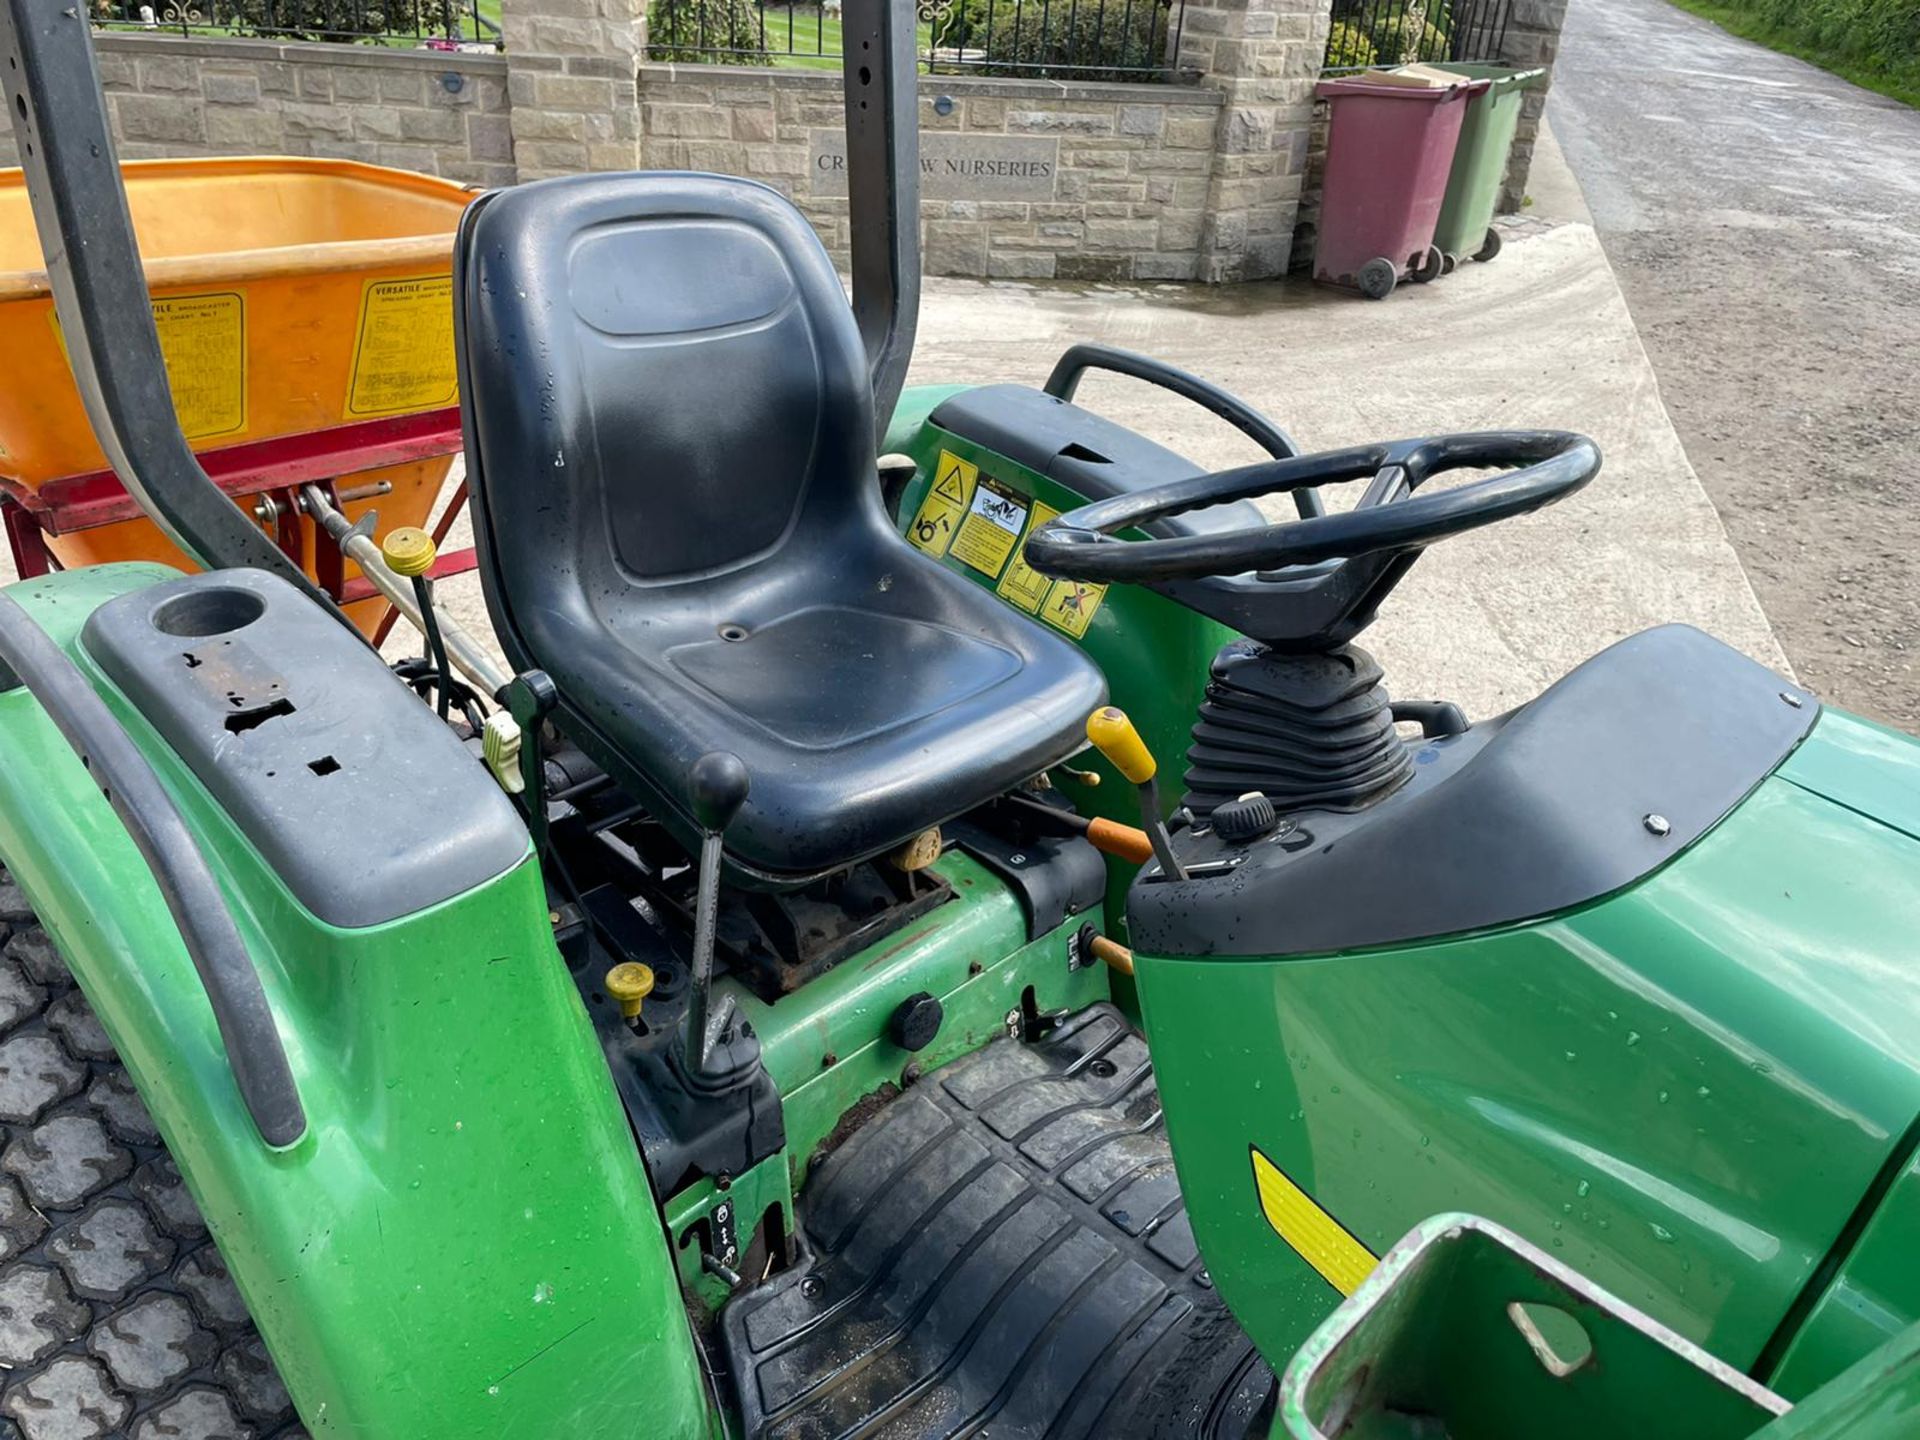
1390 147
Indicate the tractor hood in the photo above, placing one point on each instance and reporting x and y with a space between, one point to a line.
1691 1089
1863 766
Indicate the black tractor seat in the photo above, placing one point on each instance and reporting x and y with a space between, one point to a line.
670 448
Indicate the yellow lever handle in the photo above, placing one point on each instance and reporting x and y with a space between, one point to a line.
1113 736
408 551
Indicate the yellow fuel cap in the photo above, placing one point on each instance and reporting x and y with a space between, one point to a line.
630 983
1112 733
408 551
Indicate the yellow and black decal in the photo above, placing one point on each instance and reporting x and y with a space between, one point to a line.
403 348
1071 605
1023 585
995 522
945 507
1316 1237
203 344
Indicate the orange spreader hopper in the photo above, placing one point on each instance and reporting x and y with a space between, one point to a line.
305 312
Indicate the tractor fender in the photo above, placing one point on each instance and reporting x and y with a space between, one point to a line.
463 1241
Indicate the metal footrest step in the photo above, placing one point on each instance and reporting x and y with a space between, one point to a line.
1001 1251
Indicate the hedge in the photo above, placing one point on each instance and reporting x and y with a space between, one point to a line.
1100 39
696 32
1871 42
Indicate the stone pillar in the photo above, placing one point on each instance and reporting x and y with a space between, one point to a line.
570 76
1532 39
1265 56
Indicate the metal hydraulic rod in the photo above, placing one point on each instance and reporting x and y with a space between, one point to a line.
465 653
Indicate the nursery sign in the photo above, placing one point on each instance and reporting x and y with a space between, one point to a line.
954 165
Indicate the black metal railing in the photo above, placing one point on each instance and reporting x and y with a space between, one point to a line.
443 23
1081 39
1368 33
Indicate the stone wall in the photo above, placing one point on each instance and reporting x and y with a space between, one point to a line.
1032 179
444 113
1532 39
1263 57
1022 179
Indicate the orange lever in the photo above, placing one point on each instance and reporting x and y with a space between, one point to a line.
1124 842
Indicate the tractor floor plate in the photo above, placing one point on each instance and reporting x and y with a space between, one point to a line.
1002 1250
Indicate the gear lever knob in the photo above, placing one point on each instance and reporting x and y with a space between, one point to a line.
718 786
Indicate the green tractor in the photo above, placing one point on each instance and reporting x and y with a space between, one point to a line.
790 1001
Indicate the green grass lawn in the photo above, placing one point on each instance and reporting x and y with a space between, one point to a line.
1900 83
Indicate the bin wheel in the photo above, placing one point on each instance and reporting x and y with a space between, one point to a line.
1449 263
1429 267
1489 247
1377 278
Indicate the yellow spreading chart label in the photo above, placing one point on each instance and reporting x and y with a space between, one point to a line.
1318 1238
203 343
1023 585
403 348
992 528
1072 604
945 507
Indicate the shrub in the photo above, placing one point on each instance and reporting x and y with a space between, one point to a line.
1102 39
1410 37
1349 45
321 19
696 32
1877 35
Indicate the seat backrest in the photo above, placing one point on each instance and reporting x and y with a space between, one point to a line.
663 382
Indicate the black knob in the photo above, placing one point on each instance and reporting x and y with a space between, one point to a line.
1247 818
916 1022
718 785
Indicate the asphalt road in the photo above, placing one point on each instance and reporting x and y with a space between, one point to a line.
1764 220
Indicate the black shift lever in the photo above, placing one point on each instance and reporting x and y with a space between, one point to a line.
718 787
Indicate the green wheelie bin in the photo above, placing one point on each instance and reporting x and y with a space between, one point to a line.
1466 228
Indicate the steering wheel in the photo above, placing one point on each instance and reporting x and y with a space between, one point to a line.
1315 582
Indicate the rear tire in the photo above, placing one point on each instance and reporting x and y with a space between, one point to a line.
1377 278
1429 267
1489 247
117 1316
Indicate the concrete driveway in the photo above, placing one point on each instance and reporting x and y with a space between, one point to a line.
1764 219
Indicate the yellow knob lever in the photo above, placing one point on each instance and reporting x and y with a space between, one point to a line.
1114 736
408 551
629 983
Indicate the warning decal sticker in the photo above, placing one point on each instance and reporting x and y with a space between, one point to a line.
992 528
1023 585
946 504
403 348
1071 605
1318 1238
203 342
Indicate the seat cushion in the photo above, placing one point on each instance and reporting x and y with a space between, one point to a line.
670 447
890 704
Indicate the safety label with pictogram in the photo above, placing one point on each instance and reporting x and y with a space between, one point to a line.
1072 604
994 523
945 507
403 348
1023 585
